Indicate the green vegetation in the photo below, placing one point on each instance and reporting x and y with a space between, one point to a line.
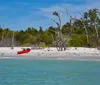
85 32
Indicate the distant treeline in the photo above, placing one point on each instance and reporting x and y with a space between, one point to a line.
85 32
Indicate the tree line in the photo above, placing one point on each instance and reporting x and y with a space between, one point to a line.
77 32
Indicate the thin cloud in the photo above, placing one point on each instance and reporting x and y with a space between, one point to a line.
26 14
73 9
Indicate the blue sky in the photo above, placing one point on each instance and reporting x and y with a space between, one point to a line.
20 14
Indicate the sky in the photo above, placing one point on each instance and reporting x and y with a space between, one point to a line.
21 14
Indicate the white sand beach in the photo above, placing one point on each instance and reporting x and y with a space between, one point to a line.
72 53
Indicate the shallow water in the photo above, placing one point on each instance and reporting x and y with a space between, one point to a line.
49 72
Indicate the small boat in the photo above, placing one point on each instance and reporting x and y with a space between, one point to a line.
24 51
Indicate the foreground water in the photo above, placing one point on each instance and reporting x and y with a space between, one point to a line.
49 72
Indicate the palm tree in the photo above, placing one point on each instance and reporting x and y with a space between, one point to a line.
93 15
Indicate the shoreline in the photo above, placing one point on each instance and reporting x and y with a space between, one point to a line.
49 58
75 58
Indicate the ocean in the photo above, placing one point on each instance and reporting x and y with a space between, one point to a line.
49 72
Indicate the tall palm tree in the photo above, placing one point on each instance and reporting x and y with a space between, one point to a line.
94 16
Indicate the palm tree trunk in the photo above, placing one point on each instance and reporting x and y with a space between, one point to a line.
97 34
87 36
86 31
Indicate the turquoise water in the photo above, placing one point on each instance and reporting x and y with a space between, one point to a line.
49 72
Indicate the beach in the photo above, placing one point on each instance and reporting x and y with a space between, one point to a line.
72 53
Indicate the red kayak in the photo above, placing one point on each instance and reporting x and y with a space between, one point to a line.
24 51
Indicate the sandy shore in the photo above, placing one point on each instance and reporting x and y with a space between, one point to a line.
72 53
